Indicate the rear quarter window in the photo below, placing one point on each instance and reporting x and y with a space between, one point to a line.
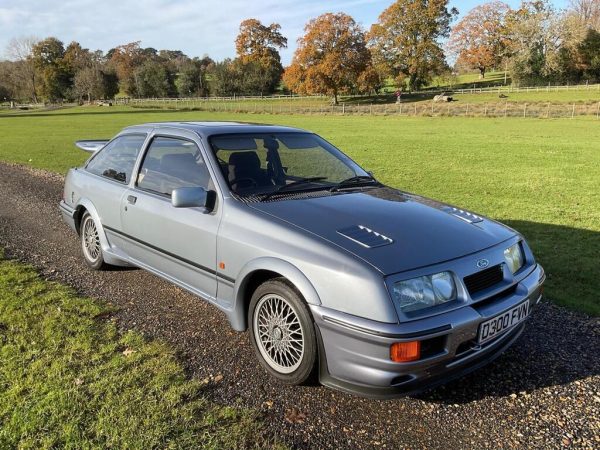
116 160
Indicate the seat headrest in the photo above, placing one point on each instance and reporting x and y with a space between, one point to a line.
244 160
177 162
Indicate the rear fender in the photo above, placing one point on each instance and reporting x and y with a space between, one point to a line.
109 258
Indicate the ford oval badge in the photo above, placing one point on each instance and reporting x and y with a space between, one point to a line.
483 263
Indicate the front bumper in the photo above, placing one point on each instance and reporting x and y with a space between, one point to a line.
355 352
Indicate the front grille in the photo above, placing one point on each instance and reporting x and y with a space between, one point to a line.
485 279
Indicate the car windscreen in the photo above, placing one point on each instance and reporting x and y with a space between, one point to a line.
255 164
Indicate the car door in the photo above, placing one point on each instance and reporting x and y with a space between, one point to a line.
178 243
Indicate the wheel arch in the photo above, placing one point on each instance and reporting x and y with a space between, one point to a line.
85 205
257 272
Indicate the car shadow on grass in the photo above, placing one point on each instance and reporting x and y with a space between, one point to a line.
559 345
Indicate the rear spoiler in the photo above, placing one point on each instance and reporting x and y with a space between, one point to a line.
91 145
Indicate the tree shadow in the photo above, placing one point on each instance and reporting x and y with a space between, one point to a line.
559 345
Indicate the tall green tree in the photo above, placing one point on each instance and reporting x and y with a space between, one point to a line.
406 40
151 79
535 35
257 48
54 79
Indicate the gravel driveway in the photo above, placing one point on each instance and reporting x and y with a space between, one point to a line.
544 392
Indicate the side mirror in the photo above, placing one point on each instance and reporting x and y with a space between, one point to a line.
192 197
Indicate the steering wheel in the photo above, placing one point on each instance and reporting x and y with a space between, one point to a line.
240 180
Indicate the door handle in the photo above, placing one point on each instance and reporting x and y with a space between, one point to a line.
131 199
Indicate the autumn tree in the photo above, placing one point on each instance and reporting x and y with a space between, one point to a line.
259 44
479 38
124 60
587 12
406 38
330 57
89 83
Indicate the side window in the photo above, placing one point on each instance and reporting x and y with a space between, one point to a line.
172 163
117 159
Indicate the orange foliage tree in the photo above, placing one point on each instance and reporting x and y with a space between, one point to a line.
479 38
330 57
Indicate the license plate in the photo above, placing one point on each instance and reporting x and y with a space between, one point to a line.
494 327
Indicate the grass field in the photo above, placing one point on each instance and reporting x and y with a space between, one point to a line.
69 380
540 176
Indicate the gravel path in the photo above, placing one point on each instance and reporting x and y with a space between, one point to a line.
542 393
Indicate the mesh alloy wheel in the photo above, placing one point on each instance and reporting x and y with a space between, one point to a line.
90 243
282 332
278 332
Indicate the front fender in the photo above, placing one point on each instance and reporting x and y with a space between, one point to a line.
279 266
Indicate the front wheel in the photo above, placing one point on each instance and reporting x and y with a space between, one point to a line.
282 332
90 243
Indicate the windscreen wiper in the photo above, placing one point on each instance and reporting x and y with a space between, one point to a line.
291 186
358 180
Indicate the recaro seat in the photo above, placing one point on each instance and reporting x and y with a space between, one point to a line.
245 166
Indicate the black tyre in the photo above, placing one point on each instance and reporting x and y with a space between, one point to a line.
90 243
282 332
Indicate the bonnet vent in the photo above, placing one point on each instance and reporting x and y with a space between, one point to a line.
365 236
464 215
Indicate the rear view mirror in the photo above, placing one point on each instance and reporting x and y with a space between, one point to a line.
192 197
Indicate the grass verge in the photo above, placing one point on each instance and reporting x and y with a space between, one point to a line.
69 380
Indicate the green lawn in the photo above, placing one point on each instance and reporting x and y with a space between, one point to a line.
540 176
69 380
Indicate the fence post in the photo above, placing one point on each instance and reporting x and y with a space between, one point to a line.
343 108
548 111
525 110
467 113
371 109
573 111
485 110
505 108
432 103
415 110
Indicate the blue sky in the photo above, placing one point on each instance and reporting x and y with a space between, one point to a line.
196 27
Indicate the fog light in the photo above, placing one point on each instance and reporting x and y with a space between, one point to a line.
405 351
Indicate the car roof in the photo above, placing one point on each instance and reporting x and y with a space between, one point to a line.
207 128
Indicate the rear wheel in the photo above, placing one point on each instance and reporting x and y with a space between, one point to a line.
90 243
282 332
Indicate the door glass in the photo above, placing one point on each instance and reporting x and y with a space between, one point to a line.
172 163
117 158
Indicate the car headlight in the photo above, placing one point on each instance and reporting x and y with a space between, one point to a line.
425 292
514 257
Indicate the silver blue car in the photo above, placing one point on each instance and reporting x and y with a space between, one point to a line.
338 277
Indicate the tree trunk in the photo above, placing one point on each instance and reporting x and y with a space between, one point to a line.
335 97
412 81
